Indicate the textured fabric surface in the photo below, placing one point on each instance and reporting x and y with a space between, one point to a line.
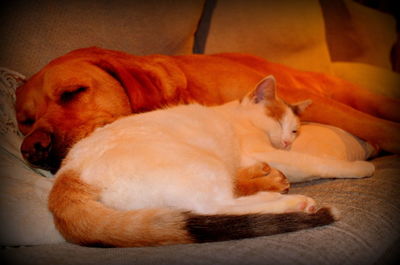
289 32
24 217
34 32
370 210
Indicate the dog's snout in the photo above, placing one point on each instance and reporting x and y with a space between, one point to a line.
36 147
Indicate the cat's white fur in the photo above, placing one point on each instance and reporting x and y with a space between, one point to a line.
186 157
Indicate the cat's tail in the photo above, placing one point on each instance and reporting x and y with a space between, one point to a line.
82 219
208 228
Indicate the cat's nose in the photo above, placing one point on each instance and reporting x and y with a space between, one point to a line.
286 143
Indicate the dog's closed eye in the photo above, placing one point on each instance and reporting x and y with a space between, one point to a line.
28 122
68 96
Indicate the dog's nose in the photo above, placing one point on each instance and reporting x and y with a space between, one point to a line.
36 147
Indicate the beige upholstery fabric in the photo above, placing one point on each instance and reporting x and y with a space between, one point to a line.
287 31
368 227
38 31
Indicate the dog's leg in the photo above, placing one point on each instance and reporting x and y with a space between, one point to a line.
364 100
294 81
384 133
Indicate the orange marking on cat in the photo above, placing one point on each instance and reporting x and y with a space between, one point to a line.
276 109
82 219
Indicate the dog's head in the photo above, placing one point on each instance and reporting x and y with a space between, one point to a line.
75 94
62 104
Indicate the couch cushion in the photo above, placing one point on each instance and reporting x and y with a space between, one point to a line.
368 227
356 33
38 31
289 32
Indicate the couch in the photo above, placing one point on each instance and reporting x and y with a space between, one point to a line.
341 38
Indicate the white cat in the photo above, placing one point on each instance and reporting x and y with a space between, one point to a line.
168 176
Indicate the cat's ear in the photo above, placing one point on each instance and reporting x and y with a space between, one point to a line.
265 90
299 107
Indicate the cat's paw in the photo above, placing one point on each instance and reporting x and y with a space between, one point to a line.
299 203
261 177
275 181
270 179
362 169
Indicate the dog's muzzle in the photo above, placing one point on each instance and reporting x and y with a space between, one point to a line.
36 149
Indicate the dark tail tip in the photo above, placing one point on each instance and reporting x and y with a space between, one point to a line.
210 228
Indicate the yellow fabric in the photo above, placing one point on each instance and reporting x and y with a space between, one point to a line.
375 79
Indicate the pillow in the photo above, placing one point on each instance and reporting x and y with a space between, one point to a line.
331 142
10 135
287 32
24 217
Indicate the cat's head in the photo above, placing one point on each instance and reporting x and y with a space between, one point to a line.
277 118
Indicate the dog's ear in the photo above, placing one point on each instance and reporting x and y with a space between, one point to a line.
138 87
148 85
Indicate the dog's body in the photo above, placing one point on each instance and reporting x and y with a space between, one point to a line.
91 87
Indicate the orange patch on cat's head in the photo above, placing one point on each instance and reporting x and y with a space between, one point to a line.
276 109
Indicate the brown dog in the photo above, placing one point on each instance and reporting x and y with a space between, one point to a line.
90 87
